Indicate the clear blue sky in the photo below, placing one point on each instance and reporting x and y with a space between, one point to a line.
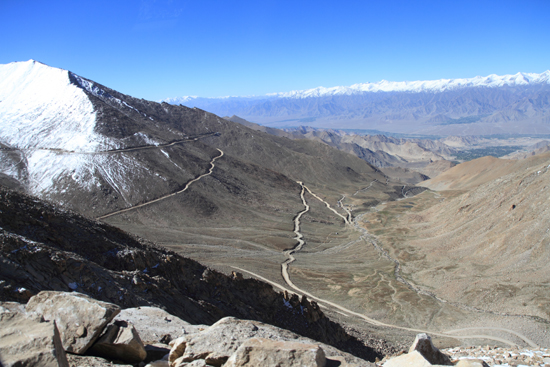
158 49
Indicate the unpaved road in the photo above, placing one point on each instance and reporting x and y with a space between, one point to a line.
118 150
212 165
347 312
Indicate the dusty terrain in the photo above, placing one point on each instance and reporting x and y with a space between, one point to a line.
482 248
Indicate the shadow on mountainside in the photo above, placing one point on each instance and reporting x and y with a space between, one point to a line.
44 248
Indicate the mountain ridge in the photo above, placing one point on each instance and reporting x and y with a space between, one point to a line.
477 106
437 85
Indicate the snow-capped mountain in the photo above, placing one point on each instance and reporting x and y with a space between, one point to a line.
57 128
510 103
34 100
434 86
87 147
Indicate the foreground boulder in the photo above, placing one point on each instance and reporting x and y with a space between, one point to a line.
413 359
219 342
120 342
265 352
422 353
80 318
423 344
28 340
156 325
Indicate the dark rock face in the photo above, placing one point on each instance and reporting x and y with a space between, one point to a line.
44 248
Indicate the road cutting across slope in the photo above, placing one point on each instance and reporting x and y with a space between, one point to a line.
347 312
212 165
117 150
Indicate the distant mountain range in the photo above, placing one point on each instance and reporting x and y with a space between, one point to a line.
494 104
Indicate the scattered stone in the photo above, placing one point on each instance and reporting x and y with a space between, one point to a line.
265 352
423 344
28 340
121 342
195 363
80 318
92 361
471 363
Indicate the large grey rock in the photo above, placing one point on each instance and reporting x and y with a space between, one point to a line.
265 352
423 344
120 342
154 323
217 343
28 340
80 318
412 359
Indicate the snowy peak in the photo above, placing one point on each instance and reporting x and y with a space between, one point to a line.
41 108
434 86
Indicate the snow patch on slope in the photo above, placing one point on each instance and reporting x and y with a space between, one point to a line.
97 91
41 108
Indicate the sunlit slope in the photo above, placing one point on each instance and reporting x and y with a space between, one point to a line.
473 173
489 247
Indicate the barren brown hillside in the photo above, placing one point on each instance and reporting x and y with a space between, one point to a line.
489 247
469 175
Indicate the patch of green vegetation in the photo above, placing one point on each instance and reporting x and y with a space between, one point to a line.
464 120
468 155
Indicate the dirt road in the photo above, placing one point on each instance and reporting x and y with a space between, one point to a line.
212 165
347 312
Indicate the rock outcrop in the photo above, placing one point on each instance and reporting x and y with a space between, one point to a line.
80 318
216 344
44 248
423 345
27 340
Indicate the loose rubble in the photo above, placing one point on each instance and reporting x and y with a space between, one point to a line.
488 356
504 357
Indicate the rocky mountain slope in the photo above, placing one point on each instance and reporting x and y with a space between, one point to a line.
75 137
44 248
406 160
287 211
475 106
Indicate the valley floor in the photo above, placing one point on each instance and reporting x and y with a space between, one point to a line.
352 273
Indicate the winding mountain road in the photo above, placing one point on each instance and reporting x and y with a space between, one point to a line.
212 165
347 312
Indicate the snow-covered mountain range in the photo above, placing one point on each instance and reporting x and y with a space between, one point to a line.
434 86
482 105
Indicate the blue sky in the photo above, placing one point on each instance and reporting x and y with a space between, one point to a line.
158 49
